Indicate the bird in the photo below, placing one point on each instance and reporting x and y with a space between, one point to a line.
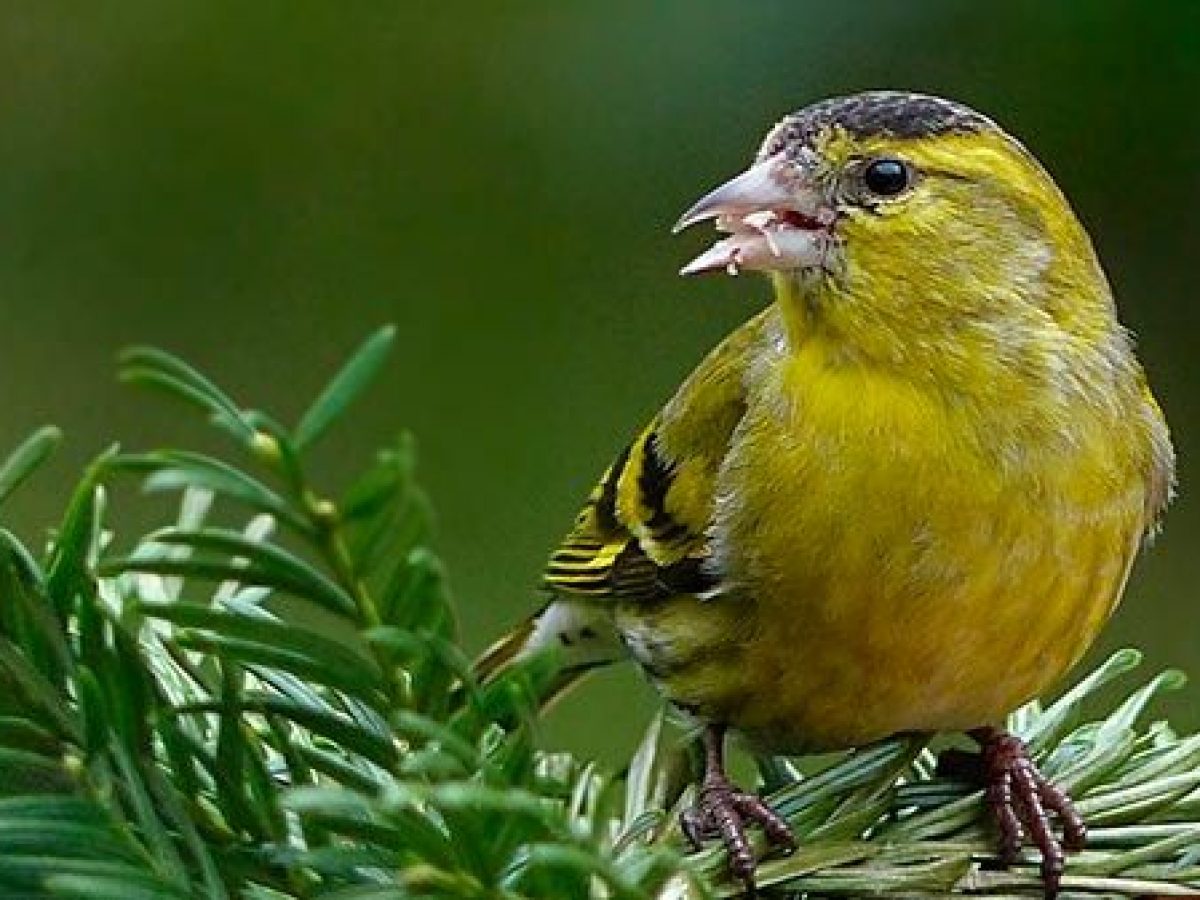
904 497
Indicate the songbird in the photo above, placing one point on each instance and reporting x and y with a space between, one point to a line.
904 497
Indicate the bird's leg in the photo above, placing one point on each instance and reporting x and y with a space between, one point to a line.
722 811
1021 799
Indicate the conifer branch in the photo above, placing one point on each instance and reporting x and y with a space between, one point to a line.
174 725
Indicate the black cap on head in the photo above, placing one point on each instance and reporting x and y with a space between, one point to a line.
895 113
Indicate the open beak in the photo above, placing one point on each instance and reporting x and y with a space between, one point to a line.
775 219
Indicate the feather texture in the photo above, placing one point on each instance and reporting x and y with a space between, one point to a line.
906 496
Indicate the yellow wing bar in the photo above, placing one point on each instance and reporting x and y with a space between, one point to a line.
627 541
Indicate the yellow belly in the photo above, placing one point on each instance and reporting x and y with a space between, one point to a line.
892 572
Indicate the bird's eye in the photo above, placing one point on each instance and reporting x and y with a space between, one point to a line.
886 177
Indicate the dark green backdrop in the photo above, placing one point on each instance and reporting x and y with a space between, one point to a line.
256 185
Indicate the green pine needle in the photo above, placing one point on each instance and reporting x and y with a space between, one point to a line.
282 710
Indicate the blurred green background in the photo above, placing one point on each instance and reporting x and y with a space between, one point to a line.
258 185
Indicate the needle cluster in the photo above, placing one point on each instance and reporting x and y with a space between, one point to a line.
266 699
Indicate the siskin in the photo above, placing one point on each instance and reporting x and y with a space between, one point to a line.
903 498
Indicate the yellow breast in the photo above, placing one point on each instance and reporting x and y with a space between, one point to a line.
899 559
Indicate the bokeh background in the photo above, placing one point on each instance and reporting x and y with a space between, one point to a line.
258 185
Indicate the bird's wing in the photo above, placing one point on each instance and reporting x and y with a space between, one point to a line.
643 533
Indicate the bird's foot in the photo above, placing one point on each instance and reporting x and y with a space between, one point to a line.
1021 800
723 812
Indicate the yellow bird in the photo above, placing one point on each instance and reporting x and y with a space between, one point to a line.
903 498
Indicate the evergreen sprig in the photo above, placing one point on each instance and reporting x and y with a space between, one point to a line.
279 708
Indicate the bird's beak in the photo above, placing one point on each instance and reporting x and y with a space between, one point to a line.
775 218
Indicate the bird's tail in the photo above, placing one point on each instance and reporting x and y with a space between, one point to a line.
503 653
580 634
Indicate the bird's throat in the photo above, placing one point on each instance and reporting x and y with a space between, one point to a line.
797 304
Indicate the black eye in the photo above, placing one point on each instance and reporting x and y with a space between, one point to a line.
886 177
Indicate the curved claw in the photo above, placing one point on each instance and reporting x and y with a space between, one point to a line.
722 812
753 808
1021 799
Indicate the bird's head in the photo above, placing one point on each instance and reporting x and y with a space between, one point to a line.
908 213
